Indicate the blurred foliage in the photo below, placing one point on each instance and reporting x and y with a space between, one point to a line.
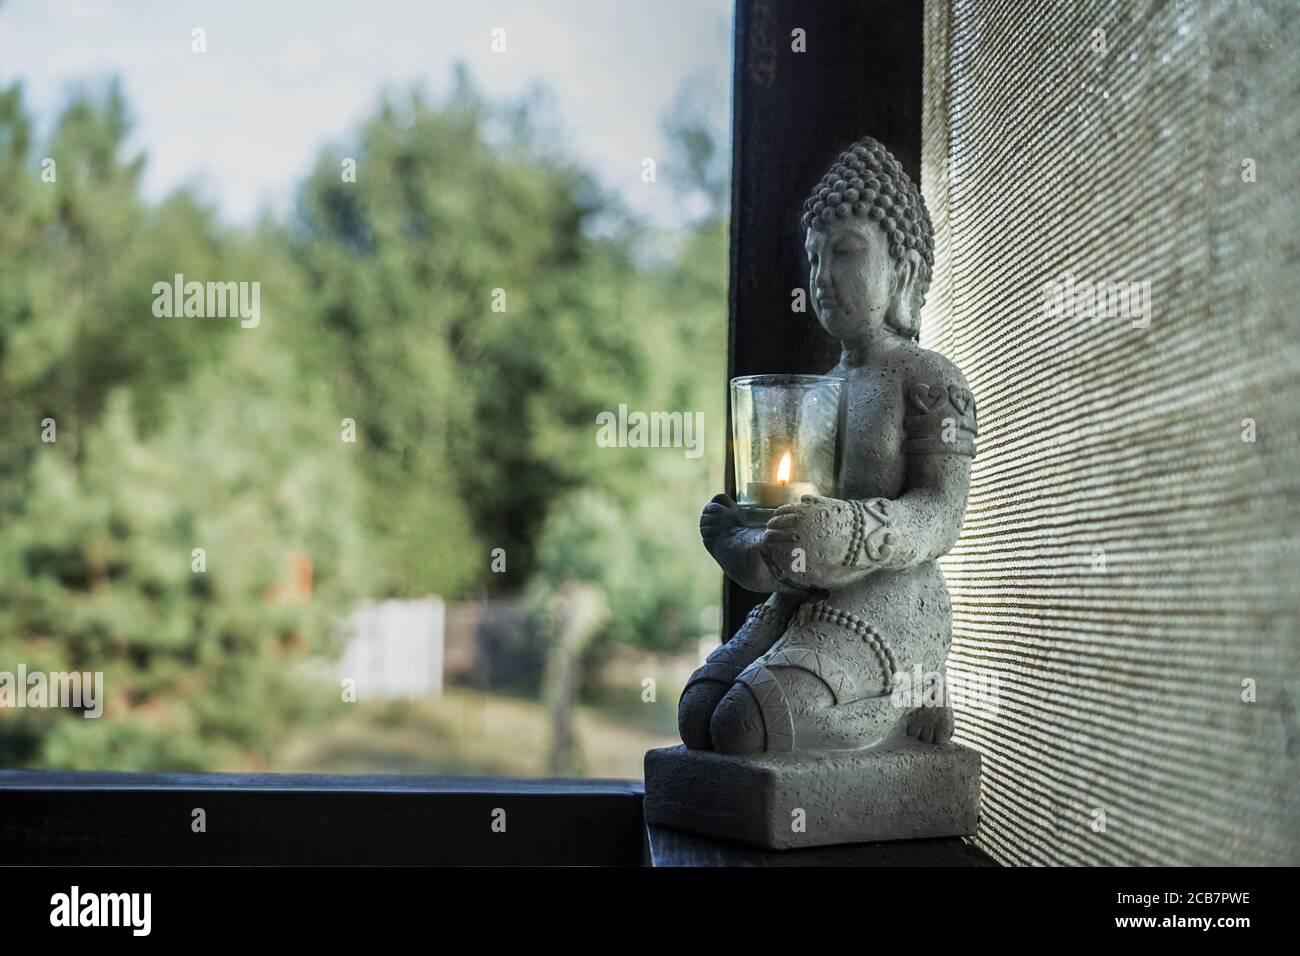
475 428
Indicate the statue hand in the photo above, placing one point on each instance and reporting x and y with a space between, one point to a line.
827 543
736 547
721 516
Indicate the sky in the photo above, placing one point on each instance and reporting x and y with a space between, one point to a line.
243 122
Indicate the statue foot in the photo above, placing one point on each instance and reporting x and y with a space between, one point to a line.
695 711
930 725
785 709
709 684
738 726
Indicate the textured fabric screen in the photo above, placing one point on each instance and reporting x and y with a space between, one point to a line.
1128 568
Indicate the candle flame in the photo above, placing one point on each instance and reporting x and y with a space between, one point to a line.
783 469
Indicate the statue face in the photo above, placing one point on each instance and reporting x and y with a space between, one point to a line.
852 279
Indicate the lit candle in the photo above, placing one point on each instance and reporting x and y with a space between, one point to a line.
780 490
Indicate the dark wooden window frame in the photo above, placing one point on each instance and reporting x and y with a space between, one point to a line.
792 113
860 72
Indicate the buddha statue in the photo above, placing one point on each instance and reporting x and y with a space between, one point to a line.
856 594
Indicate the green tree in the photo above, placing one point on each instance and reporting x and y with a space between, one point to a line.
473 328
170 435
632 528
476 425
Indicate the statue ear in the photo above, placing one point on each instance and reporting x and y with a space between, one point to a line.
903 315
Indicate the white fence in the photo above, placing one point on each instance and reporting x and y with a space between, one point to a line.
396 649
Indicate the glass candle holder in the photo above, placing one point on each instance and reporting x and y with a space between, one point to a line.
785 439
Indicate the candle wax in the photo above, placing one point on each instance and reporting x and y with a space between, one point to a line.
773 494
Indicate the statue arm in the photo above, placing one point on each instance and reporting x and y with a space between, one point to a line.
939 442
939 431
877 534
845 541
927 518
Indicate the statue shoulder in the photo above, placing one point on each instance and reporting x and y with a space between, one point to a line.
940 408
930 368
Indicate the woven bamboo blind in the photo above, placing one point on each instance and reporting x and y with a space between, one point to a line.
1129 563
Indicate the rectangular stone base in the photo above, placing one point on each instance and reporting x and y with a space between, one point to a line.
896 790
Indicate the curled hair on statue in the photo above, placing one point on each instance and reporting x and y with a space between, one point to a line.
867 181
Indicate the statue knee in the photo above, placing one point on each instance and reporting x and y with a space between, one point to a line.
695 710
737 726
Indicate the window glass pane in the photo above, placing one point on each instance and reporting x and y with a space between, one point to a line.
363 371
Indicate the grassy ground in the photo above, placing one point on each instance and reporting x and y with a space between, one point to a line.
470 732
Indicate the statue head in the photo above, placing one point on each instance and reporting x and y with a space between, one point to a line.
870 245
